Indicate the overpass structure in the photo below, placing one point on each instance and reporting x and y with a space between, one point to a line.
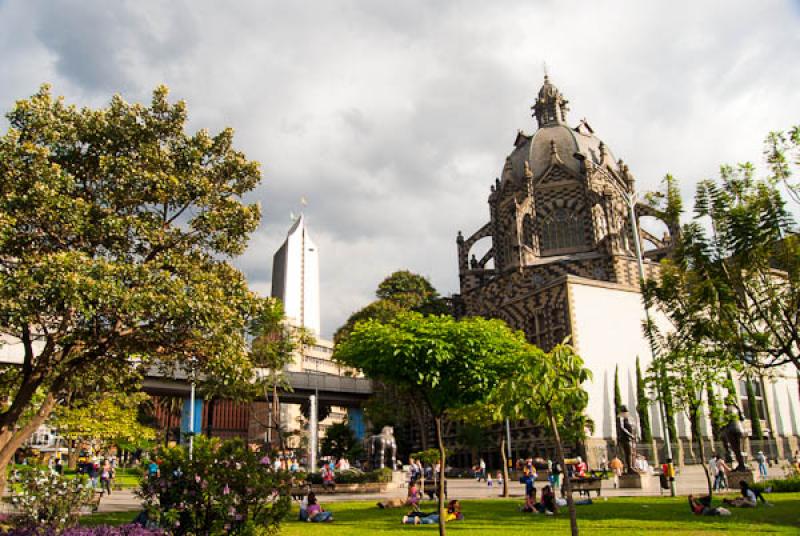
330 389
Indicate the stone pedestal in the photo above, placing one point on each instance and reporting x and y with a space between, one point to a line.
398 480
734 477
638 481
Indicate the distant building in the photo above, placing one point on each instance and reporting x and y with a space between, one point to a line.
295 277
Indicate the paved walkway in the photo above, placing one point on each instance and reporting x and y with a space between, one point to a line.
690 480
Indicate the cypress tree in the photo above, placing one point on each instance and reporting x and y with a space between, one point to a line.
715 414
617 394
669 411
642 405
755 421
731 399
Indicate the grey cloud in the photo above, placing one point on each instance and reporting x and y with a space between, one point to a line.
393 118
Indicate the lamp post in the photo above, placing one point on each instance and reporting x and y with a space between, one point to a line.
630 200
193 362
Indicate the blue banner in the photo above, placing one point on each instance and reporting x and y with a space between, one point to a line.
355 419
198 418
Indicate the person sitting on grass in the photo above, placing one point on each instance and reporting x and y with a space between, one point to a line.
314 511
702 507
748 498
421 518
548 504
414 496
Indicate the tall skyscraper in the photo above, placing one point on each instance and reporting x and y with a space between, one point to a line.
295 277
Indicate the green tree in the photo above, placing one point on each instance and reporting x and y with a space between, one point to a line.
105 418
274 346
715 412
477 420
642 405
686 370
733 276
451 363
547 389
731 397
115 232
617 392
755 414
340 442
395 405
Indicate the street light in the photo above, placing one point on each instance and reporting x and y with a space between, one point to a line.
630 200
193 363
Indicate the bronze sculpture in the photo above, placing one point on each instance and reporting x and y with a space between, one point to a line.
382 449
626 436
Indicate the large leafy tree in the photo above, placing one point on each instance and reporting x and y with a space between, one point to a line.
341 442
116 227
733 277
449 363
547 389
391 404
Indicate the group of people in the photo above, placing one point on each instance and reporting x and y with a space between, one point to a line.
748 498
100 472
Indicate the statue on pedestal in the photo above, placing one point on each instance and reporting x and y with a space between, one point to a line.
382 449
732 435
626 437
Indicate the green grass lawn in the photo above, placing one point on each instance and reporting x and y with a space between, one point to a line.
654 516
618 516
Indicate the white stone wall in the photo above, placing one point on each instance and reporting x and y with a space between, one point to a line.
608 333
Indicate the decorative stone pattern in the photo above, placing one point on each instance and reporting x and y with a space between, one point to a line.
559 209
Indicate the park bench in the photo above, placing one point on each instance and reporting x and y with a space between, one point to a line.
584 486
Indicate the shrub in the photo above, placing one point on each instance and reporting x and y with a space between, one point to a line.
787 485
136 470
354 476
224 489
48 500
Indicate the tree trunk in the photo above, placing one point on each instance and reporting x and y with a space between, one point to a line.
505 466
573 518
210 415
72 460
11 441
442 462
694 419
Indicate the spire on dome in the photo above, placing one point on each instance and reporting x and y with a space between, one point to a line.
551 106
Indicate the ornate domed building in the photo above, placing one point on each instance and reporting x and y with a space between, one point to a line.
562 261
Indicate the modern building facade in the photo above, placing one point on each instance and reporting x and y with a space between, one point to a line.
295 277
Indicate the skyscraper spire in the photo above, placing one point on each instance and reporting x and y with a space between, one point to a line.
551 106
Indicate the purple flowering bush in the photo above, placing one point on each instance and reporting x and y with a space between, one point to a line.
225 489
124 530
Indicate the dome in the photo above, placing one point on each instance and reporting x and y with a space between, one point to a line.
567 142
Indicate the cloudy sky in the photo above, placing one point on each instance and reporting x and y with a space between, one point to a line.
392 117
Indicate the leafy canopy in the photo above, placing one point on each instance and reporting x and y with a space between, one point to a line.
116 227
733 279
450 363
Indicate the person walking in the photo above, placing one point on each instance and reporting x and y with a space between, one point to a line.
722 473
106 474
482 470
762 464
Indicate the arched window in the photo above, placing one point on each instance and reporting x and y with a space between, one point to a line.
562 229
